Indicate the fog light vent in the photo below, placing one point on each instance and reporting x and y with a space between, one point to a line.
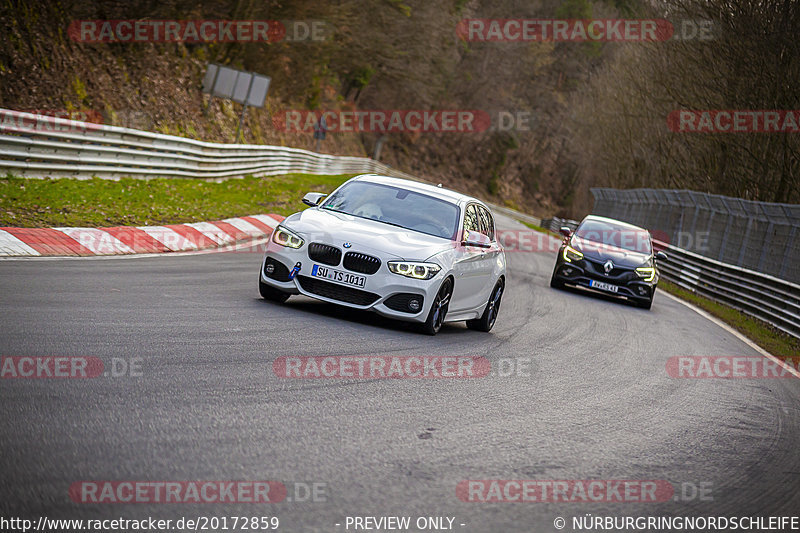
405 302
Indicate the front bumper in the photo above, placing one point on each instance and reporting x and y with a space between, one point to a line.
384 292
582 273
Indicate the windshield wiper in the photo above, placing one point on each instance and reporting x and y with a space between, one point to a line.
390 223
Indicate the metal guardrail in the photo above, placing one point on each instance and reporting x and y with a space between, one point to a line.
761 236
768 298
51 146
530 219
555 224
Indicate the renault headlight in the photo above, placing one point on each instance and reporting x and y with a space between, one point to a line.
648 273
284 237
414 270
571 254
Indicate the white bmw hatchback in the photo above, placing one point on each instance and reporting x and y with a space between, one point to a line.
406 250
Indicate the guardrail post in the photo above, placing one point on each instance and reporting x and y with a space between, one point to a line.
241 123
711 214
660 203
694 221
725 233
785 261
743 246
765 246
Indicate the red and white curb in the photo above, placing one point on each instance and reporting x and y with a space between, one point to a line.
120 240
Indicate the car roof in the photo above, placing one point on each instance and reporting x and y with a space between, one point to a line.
614 221
431 190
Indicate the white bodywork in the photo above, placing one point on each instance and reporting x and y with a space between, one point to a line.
474 270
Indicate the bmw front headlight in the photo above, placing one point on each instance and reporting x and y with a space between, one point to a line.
284 237
414 270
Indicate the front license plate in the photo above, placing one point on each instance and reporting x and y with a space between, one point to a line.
603 286
338 276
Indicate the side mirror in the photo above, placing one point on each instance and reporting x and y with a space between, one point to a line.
661 256
475 238
313 198
565 231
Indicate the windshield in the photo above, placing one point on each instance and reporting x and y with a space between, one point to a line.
609 234
396 206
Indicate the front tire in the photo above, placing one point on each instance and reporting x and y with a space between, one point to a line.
555 282
271 293
647 304
439 308
486 321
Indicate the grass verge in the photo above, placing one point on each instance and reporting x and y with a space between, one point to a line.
95 202
542 230
771 339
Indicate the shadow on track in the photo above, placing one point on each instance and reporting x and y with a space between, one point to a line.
355 316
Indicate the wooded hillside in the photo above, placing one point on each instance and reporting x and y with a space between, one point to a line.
590 113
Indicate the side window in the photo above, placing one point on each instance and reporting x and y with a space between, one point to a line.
471 220
487 223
